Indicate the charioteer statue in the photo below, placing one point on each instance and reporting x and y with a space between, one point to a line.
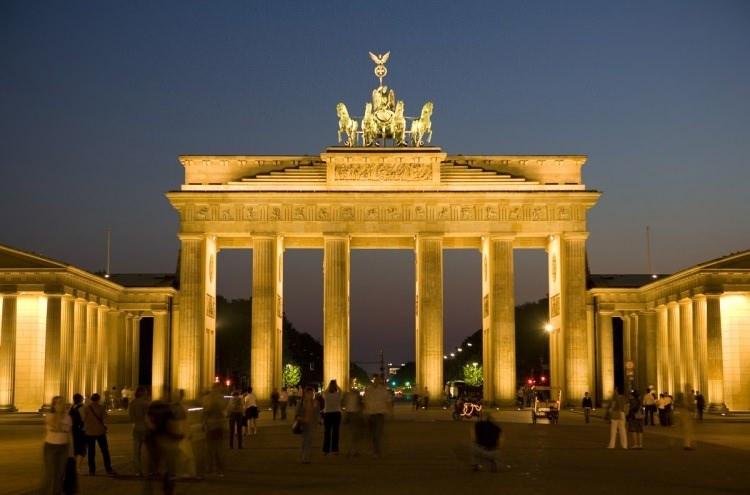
384 117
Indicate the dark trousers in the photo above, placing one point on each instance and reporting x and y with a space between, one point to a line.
235 428
104 447
650 415
283 405
274 409
700 414
331 425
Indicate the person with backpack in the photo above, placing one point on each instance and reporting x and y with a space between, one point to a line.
94 419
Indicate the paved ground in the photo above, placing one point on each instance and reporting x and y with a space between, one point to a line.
429 452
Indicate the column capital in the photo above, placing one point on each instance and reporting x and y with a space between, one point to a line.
336 235
190 237
575 236
429 235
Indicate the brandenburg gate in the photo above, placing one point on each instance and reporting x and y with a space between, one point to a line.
384 188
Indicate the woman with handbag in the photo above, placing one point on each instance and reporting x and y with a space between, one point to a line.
306 418
635 421
58 425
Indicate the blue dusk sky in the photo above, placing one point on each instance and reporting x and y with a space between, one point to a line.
97 100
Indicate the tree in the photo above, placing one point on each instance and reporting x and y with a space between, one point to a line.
473 374
292 374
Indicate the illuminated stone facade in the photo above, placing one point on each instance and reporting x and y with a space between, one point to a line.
64 330
687 331
365 198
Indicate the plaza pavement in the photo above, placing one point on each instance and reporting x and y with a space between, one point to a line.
427 452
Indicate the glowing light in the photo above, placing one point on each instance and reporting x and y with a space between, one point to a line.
475 364
445 357
229 382
453 354
548 328
460 350
544 378
216 379
469 344
654 276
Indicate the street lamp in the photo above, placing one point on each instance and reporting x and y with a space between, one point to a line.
548 328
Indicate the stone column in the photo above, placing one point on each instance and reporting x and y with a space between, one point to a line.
67 319
79 347
591 334
573 328
429 315
606 356
159 355
114 348
135 357
52 372
687 364
127 360
715 354
700 349
498 318
675 355
7 351
336 270
92 326
102 344
664 367
647 321
195 338
265 346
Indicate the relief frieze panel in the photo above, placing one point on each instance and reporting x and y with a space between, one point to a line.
383 212
382 172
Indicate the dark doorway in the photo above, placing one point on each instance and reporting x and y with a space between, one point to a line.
617 340
146 351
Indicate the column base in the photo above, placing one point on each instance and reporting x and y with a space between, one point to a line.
8 409
717 408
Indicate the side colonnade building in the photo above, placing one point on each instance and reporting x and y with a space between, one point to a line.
682 332
64 330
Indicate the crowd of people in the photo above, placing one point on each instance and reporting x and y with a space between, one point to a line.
628 415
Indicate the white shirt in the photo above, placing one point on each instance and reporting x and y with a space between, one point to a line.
249 400
332 401
59 436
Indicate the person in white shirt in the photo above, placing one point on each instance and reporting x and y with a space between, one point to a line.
377 404
331 418
649 404
251 411
58 425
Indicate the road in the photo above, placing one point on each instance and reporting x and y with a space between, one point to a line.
428 452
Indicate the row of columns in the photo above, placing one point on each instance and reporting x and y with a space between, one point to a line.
74 345
675 347
571 343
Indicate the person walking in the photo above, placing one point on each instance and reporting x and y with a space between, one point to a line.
617 408
352 405
58 426
79 435
586 404
686 413
649 405
331 418
283 402
250 403
485 443
307 414
635 420
137 410
275 403
377 404
661 404
162 444
236 416
94 423
700 404
213 421
185 457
